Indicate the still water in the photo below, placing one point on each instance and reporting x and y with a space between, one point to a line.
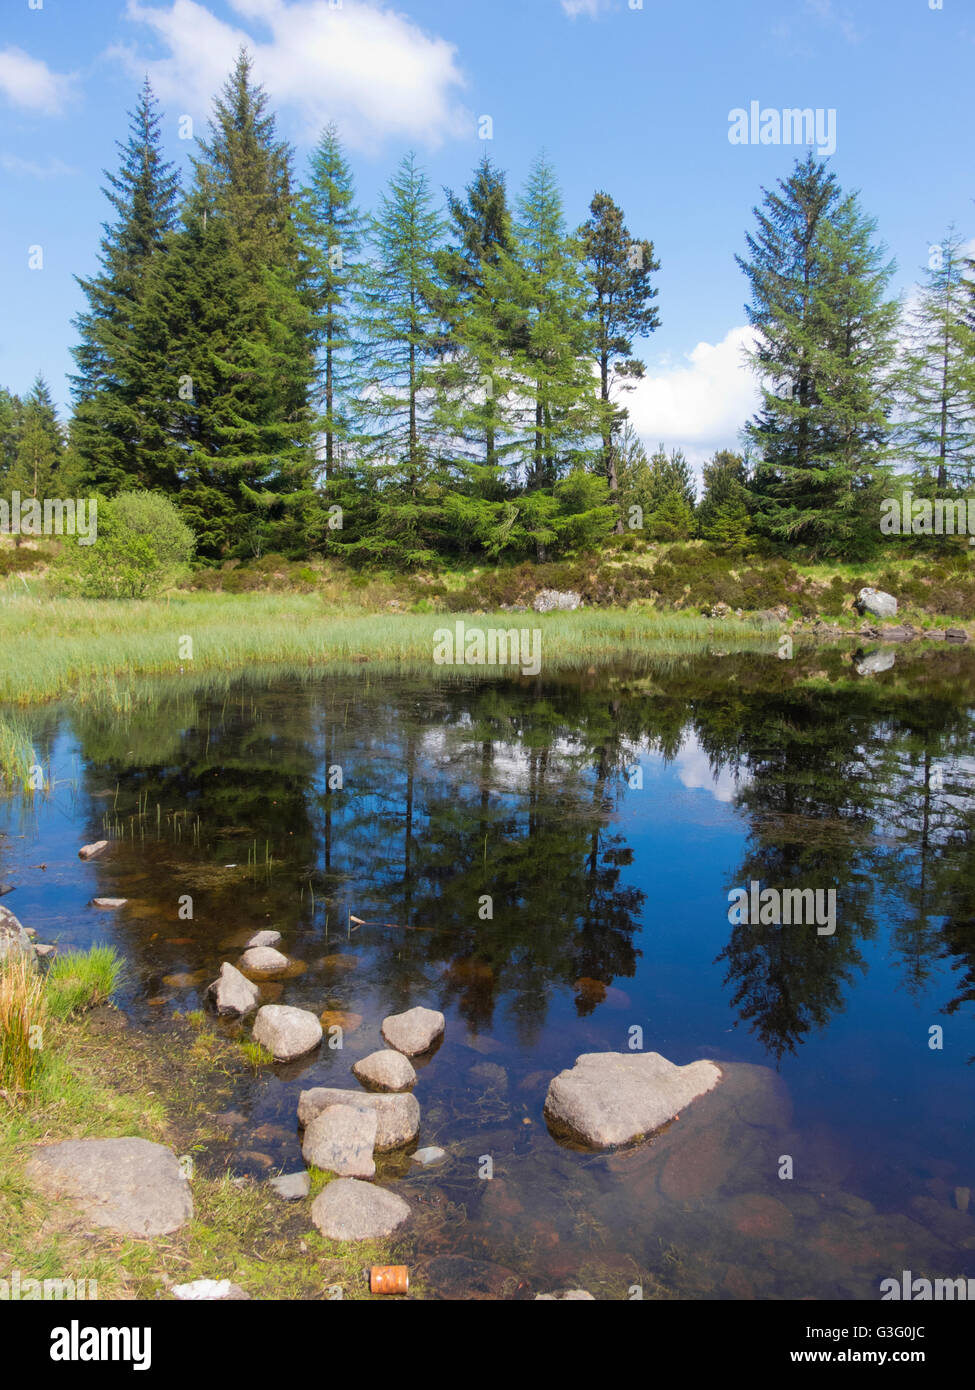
548 861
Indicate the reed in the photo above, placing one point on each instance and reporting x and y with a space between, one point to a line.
23 1013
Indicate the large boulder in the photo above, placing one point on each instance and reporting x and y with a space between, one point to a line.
286 1032
340 1139
127 1185
610 1098
14 941
397 1116
414 1032
556 601
347 1209
878 603
386 1070
232 994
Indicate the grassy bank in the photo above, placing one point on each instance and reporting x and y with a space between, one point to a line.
53 647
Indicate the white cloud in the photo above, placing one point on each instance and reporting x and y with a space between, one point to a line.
30 83
374 72
53 169
700 406
696 773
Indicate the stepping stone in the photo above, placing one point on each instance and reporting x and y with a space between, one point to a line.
397 1116
414 1032
264 938
340 1140
386 1071
127 1185
93 850
612 1098
109 904
286 1032
260 958
351 1210
292 1186
232 994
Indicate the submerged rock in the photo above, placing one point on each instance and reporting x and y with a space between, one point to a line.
414 1032
261 958
232 994
263 938
397 1116
93 850
126 1185
429 1157
286 1032
348 1209
387 1070
611 1098
340 1139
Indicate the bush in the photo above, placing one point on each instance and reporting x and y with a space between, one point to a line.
143 546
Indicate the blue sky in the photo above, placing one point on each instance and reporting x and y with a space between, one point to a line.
635 101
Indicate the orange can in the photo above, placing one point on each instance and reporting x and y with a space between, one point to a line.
389 1279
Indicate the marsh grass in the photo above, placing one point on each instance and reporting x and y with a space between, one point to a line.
81 980
16 755
23 1014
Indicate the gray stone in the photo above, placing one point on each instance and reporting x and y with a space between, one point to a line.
126 1185
397 1116
386 1071
264 938
414 1032
430 1156
286 1032
45 950
14 940
340 1139
232 994
872 663
209 1290
93 850
878 603
610 1098
351 1210
291 1186
263 958
554 600
109 904
565 1296
957 635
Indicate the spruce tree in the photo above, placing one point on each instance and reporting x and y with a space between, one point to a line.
10 413
722 516
109 429
671 496
617 271
39 446
936 432
818 284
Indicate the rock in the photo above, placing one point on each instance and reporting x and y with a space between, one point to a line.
489 1074
45 950
14 940
232 994
126 1185
109 904
778 614
263 938
878 603
414 1032
904 632
397 1116
286 1032
555 601
761 1217
933 634
340 1018
340 1139
215 1290
91 851
956 635
291 1186
429 1157
261 958
386 1070
872 663
565 1296
611 1098
351 1210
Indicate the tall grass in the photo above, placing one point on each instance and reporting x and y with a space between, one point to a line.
16 756
92 650
81 979
23 1011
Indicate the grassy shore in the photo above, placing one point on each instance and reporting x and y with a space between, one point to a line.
55 647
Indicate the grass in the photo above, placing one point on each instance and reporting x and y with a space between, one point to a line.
23 1014
16 755
81 980
92 650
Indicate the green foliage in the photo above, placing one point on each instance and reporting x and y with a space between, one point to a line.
143 546
79 980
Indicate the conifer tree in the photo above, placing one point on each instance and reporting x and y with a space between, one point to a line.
722 516
671 496
10 412
39 445
617 273
110 427
818 285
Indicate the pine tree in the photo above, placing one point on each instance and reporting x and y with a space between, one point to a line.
937 428
228 318
39 447
617 273
826 340
332 230
671 496
109 428
722 516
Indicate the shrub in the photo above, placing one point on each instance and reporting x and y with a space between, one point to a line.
143 546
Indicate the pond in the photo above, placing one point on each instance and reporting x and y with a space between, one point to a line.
548 860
